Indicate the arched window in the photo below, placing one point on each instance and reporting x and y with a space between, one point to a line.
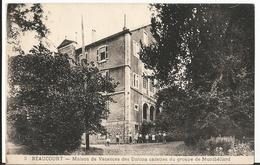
145 107
152 113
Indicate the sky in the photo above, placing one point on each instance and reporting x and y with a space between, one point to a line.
64 21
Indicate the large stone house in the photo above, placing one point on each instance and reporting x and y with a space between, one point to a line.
117 56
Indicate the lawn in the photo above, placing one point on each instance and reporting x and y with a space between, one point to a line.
177 148
172 148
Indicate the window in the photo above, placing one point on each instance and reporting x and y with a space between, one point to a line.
145 38
151 86
102 54
152 113
136 49
145 82
135 80
145 107
136 107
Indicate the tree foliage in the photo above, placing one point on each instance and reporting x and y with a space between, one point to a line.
23 18
51 103
204 60
146 128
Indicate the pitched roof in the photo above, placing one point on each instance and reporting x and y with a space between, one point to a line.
65 43
79 50
141 27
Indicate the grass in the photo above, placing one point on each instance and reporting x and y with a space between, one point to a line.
177 148
133 149
172 148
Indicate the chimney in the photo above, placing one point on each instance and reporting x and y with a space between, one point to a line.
124 28
93 35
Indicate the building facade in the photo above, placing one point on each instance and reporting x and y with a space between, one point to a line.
117 56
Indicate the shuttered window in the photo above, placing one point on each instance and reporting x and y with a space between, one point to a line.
102 53
135 80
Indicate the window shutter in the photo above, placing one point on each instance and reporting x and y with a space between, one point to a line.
137 83
106 52
133 79
97 56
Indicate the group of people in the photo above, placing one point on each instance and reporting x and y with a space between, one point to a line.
148 138
140 138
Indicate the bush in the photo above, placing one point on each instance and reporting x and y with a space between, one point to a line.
202 145
191 139
220 145
240 149
223 146
146 128
175 135
50 133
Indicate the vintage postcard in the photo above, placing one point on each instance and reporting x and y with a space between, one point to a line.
130 83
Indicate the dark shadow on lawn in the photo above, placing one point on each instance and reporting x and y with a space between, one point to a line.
91 151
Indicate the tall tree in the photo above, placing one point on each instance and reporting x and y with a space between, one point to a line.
23 18
51 103
208 52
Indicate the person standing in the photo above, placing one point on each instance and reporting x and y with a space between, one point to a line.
146 138
157 137
117 139
130 138
164 137
153 138
160 137
140 138
150 138
136 138
108 140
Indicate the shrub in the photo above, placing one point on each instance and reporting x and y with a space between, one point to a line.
175 135
220 145
215 145
240 149
146 127
202 145
223 146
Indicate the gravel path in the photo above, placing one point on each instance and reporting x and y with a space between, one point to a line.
171 148
137 149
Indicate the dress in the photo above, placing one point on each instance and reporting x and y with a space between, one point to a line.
153 138
130 138
164 137
147 138
117 138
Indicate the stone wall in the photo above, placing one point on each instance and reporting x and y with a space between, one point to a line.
113 128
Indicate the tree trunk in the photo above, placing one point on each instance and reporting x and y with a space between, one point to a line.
87 139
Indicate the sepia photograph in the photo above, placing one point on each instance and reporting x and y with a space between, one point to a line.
130 83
